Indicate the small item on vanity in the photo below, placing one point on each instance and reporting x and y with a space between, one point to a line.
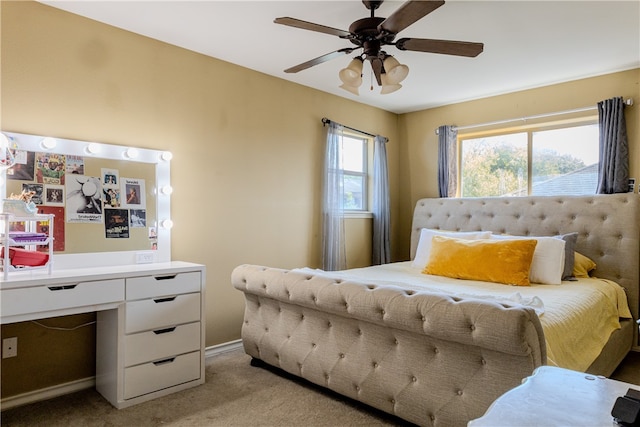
26 236
626 410
19 257
19 207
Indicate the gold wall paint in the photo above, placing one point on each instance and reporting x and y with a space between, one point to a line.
419 149
247 148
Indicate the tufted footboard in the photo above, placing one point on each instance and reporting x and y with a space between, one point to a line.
428 358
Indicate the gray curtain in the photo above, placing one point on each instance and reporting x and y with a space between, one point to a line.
334 255
447 161
613 169
381 217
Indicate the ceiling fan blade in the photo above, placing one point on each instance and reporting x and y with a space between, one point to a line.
297 23
447 47
407 14
319 60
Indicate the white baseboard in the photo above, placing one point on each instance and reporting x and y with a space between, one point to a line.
216 350
90 382
47 393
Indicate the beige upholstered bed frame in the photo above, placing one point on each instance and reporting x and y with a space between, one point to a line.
433 359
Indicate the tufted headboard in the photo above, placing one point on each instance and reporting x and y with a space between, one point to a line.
608 227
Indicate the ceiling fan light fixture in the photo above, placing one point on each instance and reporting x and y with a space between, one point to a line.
352 75
386 89
349 88
395 71
387 85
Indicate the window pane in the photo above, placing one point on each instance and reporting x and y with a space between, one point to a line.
494 166
353 154
353 192
565 161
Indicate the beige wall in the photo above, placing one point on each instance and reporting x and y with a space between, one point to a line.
419 151
247 151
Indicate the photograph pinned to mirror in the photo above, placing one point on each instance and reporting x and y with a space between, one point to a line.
116 223
59 223
36 190
50 168
134 193
23 168
84 199
54 195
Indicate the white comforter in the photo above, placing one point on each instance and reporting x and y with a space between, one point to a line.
577 317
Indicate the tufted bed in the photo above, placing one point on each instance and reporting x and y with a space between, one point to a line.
430 357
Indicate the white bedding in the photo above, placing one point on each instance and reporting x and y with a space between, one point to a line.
577 317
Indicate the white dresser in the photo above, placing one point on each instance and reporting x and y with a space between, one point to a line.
150 322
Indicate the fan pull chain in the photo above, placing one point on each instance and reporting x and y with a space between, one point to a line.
371 77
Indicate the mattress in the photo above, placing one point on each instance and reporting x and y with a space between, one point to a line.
577 317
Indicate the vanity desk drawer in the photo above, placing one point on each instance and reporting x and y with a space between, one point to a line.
161 343
163 284
159 312
161 374
61 296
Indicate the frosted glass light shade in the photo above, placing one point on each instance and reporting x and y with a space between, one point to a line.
352 75
395 71
387 86
353 89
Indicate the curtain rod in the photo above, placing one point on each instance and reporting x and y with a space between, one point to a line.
326 121
628 101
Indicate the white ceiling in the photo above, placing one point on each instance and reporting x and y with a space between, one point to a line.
526 43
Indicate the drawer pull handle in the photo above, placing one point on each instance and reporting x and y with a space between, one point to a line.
164 331
61 288
165 361
168 277
167 299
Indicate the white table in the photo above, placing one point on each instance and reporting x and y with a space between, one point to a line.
556 397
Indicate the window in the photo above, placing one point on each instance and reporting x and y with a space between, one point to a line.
354 165
540 162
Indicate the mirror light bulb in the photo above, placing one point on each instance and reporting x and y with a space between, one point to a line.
167 223
131 153
48 143
166 190
93 148
166 156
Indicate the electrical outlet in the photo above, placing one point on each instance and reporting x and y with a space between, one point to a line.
144 257
9 347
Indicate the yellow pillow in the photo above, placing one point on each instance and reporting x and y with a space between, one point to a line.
582 265
499 261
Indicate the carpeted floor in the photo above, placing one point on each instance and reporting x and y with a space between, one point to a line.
235 394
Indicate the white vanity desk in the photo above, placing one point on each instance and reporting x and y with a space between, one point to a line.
150 330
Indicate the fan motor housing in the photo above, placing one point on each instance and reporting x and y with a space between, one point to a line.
367 29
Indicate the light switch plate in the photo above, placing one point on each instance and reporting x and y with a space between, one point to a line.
144 257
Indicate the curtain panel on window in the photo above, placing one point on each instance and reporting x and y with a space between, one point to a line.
613 169
381 251
447 161
334 255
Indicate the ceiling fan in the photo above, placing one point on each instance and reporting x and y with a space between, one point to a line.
371 34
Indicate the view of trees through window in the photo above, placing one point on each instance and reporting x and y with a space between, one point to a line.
562 161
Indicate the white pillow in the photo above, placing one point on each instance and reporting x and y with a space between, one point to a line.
547 266
424 244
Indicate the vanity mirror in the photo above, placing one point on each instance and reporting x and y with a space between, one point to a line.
112 203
